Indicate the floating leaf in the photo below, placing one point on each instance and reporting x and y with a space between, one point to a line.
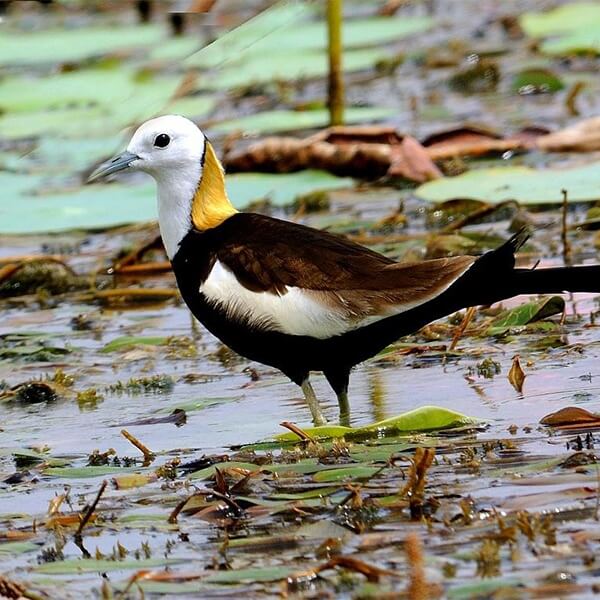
12 548
108 205
571 416
127 342
516 375
88 565
133 480
289 120
251 575
281 189
483 589
523 184
424 418
526 313
92 207
75 43
208 472
536 81
355 473
85 472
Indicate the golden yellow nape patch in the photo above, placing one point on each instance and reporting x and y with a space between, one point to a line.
211 205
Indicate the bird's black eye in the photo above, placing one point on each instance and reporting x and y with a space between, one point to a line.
162 140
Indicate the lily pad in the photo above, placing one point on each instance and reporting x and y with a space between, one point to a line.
12 548
523 184
127 342
536 81
89 565
424 418
280 189
85 472
352 473
573 27
282 43
93 207
289 120
55 46
286 29
526 313
568 17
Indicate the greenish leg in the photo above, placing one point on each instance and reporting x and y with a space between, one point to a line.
313 403
344 408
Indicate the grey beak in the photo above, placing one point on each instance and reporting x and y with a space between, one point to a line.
118 163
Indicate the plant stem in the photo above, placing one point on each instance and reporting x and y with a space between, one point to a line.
336 80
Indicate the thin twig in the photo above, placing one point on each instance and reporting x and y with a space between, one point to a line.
297 430
563 229
90 511
148 454
596 517
462 327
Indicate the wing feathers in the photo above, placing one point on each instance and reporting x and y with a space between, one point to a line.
278 275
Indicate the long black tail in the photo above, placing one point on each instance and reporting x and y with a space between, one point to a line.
495 277
492 278
555 280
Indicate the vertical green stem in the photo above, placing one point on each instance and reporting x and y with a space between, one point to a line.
336 81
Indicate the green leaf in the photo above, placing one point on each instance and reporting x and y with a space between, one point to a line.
85 472
89 565
482 589
92 207
251 575
569 17
286 28
525 185
288 120
526 313
343 473
424 418
322 432
573 27
34 456
287 66
127 342
283 44
208 472
12 548
536 80
74 44
281 189
107 205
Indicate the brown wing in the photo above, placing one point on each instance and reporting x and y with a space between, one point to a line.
270 255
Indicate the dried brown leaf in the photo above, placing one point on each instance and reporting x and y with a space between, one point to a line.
516 375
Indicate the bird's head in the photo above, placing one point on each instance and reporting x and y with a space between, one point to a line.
163 147
190 178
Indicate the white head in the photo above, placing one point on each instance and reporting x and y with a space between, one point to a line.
174 151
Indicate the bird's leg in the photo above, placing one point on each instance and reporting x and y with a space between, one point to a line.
338 380
342 398
313 402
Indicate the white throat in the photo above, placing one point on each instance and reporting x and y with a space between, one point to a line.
176 189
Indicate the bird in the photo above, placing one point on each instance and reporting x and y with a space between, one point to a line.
300 299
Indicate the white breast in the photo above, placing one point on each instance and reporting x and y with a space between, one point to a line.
294 312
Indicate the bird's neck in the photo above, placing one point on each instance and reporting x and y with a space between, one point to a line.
192 197
211 205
